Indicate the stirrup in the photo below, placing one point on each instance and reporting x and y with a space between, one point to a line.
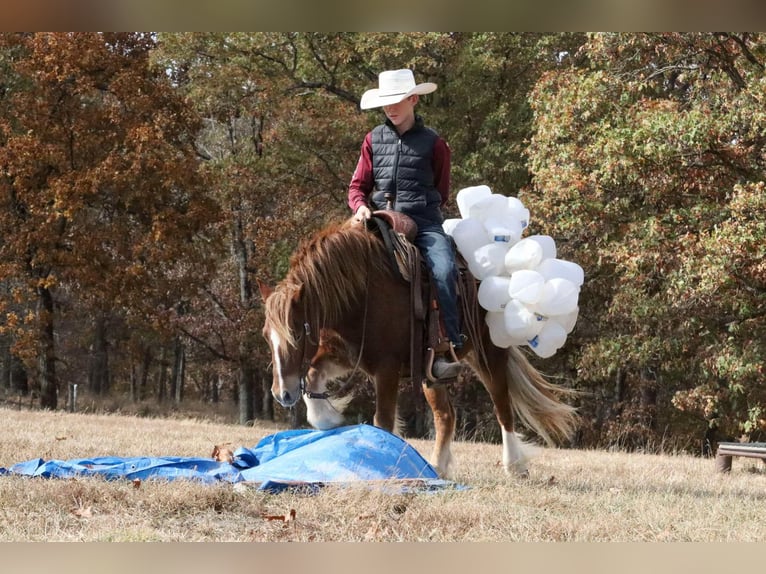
452 352
431 357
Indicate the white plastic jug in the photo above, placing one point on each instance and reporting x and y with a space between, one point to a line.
493 292
567 321
526 285
557 297
517 211
521 323
549 340
552 268
469 235
467 196
526 254
502 231
488 207
449 225
547 244
487 260
497 333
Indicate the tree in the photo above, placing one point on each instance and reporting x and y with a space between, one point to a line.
100 192
647 165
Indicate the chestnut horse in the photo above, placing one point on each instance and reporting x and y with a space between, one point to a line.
341 281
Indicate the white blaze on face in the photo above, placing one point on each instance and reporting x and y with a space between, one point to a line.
275 345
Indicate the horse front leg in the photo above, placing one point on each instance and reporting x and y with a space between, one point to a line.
386 394
444 426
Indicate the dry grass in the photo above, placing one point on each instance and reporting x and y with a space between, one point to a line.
570 496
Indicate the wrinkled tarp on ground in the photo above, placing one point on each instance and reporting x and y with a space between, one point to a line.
290 458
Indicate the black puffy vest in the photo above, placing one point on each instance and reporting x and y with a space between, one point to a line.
403 166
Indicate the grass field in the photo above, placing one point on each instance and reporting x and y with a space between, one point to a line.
571 495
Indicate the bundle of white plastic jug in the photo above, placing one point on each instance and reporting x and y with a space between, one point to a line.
530 296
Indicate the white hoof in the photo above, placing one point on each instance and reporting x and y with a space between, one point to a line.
514 457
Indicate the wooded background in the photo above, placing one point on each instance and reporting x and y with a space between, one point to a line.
147 180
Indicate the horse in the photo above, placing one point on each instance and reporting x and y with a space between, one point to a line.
341 282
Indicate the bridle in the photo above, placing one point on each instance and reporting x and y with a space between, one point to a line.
306 363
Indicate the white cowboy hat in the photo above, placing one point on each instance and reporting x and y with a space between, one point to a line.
393 87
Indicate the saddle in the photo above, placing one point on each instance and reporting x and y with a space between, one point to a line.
427 333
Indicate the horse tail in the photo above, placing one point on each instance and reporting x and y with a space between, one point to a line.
536 401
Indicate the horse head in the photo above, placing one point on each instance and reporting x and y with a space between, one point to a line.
290 339
330 361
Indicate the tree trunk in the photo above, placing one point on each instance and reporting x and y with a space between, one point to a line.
246 376
47 357
5 364
98 374
241 255
268 398
19 379
162 391
257 392
13 375
179 371
649 404
215 384
145 366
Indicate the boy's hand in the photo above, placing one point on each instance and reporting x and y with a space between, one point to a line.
362 213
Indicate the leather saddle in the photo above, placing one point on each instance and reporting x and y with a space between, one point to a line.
427 334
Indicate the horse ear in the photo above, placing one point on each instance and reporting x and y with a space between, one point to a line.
265 289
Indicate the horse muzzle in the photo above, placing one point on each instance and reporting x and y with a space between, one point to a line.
286 398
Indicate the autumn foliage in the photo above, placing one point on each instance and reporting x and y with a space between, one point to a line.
146 181
103 209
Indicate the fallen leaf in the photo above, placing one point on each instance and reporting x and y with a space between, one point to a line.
61 438
283 517
136 483
552 481
81 512
222 453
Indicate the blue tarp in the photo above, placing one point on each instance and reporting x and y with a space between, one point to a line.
289 458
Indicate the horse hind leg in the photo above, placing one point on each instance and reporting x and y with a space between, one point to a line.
515 456
444 426
495 380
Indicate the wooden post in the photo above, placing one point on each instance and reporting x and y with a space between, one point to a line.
727 450
723 463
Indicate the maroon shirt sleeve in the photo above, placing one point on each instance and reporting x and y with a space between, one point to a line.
441 164
362 182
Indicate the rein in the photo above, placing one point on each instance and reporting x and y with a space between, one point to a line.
306 362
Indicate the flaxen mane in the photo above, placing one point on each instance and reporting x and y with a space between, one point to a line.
328 274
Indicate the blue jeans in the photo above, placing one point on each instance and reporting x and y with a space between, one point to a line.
436 248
